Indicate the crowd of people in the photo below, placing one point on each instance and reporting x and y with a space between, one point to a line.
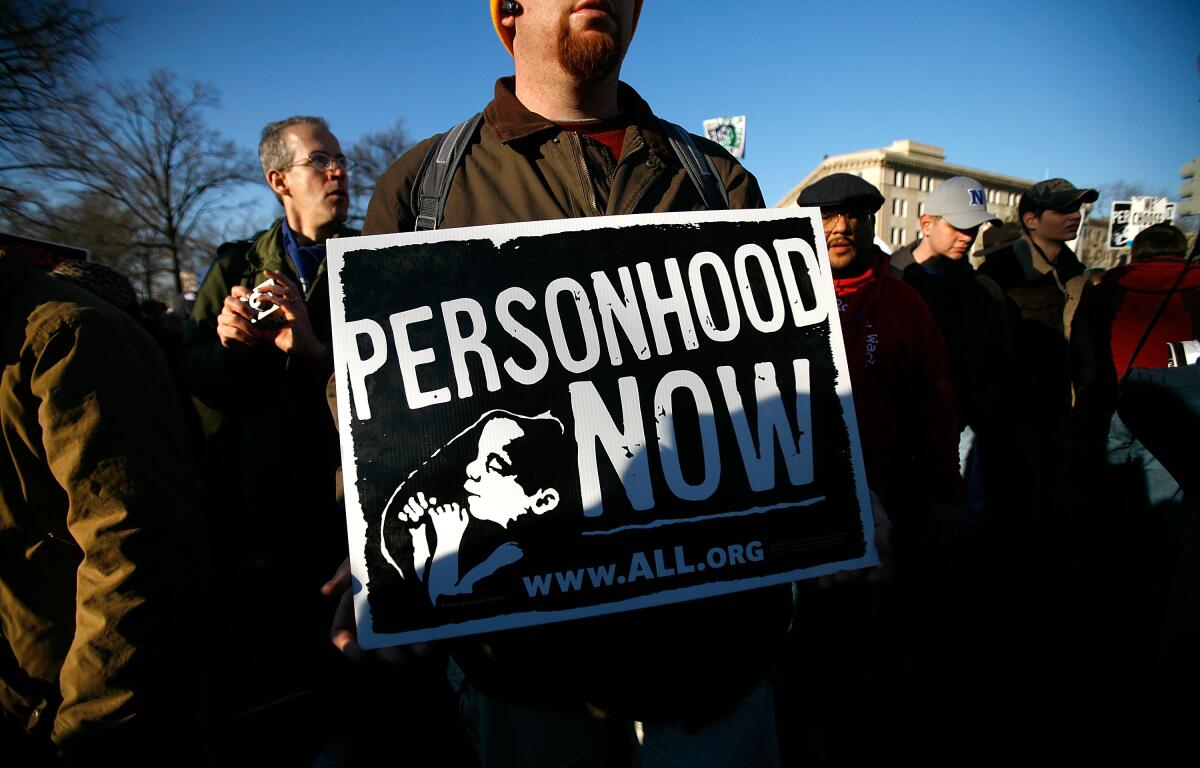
173 587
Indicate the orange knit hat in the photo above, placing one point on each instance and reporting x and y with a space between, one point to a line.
506 34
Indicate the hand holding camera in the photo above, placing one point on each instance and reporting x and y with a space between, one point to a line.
262 305
273 311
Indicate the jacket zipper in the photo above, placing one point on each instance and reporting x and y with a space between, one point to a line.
585 176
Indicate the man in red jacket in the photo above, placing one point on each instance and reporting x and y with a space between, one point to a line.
898 364
909 434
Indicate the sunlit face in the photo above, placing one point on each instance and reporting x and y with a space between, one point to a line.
847 231
947 240
1055 225
493 492
316 198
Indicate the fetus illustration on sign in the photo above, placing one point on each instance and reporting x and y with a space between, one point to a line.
459 518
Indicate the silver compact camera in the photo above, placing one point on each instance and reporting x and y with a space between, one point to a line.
261 305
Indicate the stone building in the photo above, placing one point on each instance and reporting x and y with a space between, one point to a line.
906 172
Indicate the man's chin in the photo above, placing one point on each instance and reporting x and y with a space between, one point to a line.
589 55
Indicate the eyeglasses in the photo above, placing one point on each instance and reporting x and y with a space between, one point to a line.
852 217
322 162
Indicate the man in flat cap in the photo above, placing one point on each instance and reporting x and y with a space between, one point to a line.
897 358
970 313
1034 273
909 434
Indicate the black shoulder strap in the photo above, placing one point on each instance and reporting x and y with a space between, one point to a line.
432 184
699 167
1191 260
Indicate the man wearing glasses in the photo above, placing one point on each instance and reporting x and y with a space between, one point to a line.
257 358
909 435
897 360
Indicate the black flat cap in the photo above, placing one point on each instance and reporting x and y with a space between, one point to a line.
841 189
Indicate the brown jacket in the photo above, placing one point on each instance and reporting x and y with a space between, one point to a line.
98 532
690 660
525 168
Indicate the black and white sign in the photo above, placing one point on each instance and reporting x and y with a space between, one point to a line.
1129 217
553 420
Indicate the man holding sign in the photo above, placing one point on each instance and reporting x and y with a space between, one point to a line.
565 138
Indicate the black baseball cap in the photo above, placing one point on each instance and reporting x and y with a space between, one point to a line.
1057 194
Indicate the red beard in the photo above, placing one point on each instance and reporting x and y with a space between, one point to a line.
588 56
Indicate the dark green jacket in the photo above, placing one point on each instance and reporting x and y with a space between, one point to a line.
99 532
270 458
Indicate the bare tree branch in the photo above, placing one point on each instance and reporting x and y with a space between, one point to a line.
374 153
142 156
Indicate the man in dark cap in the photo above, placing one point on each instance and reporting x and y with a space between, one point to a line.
909 434
897 359
1034 272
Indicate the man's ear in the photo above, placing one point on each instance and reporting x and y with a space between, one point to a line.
545 500
1030 220
277 181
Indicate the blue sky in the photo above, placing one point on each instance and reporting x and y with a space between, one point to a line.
1094 91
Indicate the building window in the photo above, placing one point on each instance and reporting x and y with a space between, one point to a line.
926 183
1012 198
903 237
895 233
901 179
920 209
899 207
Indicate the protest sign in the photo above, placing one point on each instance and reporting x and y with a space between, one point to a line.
729 132
1129 217
553 420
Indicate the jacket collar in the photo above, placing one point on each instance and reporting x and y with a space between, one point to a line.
511 121
270 253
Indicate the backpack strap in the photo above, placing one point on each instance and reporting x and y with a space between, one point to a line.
432 185
699 167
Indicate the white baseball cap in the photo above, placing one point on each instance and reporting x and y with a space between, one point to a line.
961 201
